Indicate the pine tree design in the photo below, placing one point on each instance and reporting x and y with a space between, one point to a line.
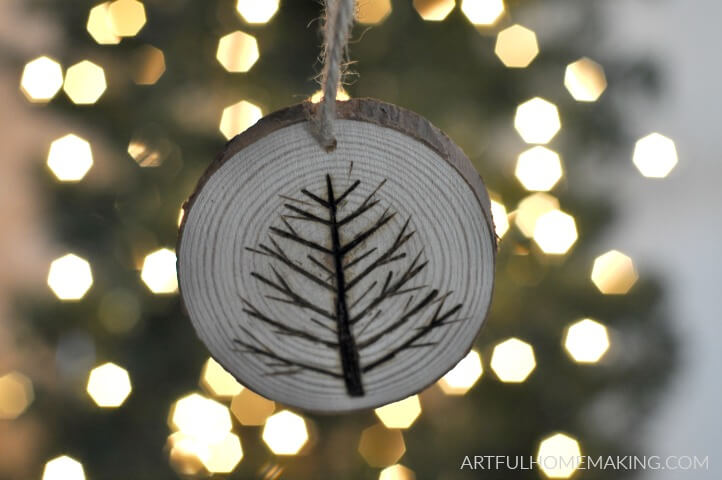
351 273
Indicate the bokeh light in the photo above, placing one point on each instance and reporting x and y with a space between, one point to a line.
200 417
285 433
187 454
224 456
397 472
655 155
238 117
70 277
558 456
257 11
70 158
401 414
434 10
585 80
100 26
538 169
159 273
586 341
217 381
341 95
513 360
251 409
41 79
127 17
500 217
109 385
148 65
613 273
237 51
530 209
537 120
84 83
555 232
516 46
482 12
16 395
63 468
463 376
372 12
380 446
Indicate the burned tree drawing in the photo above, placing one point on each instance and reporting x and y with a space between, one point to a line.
359 266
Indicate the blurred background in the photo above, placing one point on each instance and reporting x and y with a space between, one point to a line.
592 122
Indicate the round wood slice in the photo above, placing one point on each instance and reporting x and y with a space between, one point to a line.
343 280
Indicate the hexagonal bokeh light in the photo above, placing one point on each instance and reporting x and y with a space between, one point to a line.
238 117
217 381
555 232
224 456
585 80
513 360
257 11
463 376
202 418
16 395
397 472
538 169
41 79
537 120
586 341
127 17
63 468
159 273
613 273
401 414
99 25
558 456
84 83
500 217
70 158
482 13
434 10
149 65
531 208
237 51
655 155
285 433
70 277
251 409
516 46
372 12
380 446
191 456
109 385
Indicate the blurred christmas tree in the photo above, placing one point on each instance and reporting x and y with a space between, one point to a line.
156 127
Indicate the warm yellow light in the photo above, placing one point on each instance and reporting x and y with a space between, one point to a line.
200 417
531 208
558 456
159 272
237 51
397 472
380 446
500 217
238 117
217 381
109 385
257 11
341 95
555 232
585 80
149 65
513 360
41 79
434 10
63 468
371 12
224 456
482 12
16 395
655 155
70 158
84 83
587 341
285 433
251 409
186 455
401 414
127 17
537 120
70 277
463 376
613 273
538 169
516 46
100 27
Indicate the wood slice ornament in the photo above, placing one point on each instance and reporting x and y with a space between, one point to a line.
345 280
